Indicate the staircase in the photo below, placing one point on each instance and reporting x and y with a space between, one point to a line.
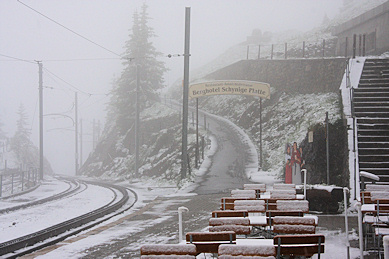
371 110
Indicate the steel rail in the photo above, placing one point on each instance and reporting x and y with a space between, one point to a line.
58 196
73 226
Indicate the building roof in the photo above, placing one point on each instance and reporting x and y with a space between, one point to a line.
371 14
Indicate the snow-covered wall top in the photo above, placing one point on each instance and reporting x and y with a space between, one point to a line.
303 76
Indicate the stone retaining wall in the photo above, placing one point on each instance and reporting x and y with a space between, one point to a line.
292 75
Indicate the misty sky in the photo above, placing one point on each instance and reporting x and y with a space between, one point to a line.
216 25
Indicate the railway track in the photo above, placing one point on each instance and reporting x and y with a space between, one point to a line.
54 234
74 186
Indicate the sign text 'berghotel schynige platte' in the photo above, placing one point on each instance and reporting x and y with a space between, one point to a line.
238 87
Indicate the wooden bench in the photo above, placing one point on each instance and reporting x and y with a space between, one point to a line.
284 186
256 206
229 213
283 194
241 226
209 242
227 203
293 205
249 251
299 245
168 251
294 225
257 187
243 194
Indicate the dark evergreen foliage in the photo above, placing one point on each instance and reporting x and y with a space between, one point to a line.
139 52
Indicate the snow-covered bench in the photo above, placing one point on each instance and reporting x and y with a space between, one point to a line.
249 251
377 187
241 226
284 186
168 251
299 245
229 213
294 225
209 242
283 194
256 206
257 187
293 205
227 203
243 194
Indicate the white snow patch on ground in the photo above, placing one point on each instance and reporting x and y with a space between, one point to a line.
26 221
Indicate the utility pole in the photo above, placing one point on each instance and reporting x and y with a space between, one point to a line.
93 134
260 133
185 102
76 130
40 120
327 150
197 160
137 122
80 142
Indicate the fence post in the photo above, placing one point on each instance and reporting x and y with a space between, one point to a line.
364 45
271 55
360 45
248 49
303 49
259 51
346 46
324 46
354 45
286 50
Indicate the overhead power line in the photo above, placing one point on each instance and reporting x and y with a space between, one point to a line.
69 84
19 59
67 28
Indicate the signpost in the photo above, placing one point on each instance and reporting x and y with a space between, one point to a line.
230 87
234 87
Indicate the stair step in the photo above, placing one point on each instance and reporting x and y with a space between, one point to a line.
373 158
366 92
373 138
370 99
378 110
373 84
372 151
377 126
376 171
370 104
375 165
373 145
373 80
373 121
376 75
369 132
370 89
372 114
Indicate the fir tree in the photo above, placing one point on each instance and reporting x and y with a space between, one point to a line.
139 51
20 142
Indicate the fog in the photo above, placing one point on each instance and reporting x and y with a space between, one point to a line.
72 63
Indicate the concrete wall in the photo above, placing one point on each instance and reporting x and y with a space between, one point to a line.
291 75
374 24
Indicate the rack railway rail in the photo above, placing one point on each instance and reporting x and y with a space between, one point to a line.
74 186
54 234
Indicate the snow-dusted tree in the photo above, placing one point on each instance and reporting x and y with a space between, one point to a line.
139 51
20 143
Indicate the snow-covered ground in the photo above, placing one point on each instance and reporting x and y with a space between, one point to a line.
148 192
35 218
